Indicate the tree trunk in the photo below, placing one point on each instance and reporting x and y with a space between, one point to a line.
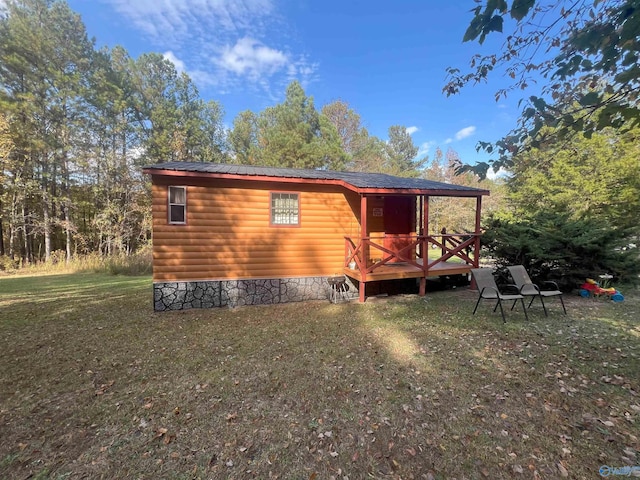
1 236
67 221
13 222
46 225
26 233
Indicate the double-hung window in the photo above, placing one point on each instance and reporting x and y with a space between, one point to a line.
178 205
285 209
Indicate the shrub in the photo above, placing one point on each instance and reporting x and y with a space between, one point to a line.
8 264
138 264
552 246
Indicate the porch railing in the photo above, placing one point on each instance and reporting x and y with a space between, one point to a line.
369 253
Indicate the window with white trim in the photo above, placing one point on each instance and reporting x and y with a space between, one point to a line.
285 209
178 205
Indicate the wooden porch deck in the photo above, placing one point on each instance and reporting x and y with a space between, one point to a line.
370 260
400 270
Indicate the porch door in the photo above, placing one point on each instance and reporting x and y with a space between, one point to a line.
399 222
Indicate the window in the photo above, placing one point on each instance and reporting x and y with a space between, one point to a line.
178 205
285 209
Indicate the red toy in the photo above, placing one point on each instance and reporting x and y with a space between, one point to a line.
591 288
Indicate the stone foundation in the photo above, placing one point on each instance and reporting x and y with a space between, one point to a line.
236 293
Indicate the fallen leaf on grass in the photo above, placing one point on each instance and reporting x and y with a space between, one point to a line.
104 387
563 471
161 432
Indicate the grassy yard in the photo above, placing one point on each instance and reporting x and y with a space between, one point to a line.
94 384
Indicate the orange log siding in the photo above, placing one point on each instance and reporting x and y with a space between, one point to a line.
228 235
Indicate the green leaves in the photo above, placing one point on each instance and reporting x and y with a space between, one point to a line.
482 25
520 8
401 152
487 21
588 51
584 195
591 98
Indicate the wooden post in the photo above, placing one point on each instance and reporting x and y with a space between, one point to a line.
420 226
425 243
363 251
423 286
476 242
425 229
476 246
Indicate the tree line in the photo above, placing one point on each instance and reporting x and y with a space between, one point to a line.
77 123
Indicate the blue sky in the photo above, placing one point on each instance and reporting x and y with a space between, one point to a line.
387 60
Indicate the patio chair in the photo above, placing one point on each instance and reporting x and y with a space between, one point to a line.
529 289
488 290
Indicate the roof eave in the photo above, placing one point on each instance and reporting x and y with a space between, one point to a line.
424 191
252 178
317 181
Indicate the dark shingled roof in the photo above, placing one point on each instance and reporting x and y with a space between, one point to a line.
359 180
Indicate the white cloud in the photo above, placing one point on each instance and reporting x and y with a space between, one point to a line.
448 141
227 44
501 173
465 132
179 64
253 59
168 20
425 148
412 130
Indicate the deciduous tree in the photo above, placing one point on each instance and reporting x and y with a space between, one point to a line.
586 52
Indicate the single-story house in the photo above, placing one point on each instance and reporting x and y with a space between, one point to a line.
228 235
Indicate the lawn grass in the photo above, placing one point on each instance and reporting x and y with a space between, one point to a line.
94 384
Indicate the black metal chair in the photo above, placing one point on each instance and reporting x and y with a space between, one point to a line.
488 290
529 289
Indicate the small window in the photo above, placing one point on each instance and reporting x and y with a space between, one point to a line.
178 205
285 209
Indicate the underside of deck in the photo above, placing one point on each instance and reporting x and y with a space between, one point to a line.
400 270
